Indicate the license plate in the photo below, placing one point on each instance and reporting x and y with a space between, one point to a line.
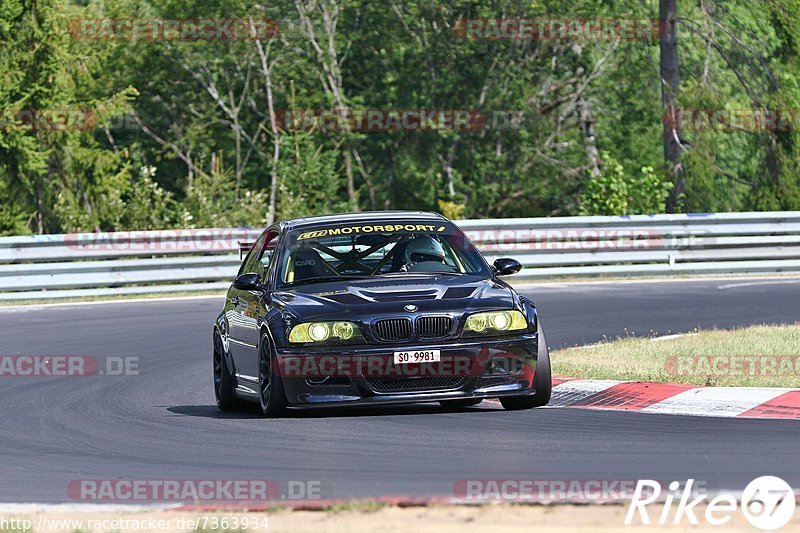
418 356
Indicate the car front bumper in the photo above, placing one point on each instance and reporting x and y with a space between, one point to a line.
367 375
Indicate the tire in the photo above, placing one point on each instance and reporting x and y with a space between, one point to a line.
458 404
272 398
542 382
223 380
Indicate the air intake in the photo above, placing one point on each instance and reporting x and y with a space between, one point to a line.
433 327
393 329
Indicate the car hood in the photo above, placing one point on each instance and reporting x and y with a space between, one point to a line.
384 296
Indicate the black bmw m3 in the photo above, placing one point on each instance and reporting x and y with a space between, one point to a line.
371 309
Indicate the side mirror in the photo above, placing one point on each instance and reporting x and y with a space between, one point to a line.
248 282
506 266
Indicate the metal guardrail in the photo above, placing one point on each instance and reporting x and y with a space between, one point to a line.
137 262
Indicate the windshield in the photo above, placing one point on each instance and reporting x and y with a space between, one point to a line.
364 250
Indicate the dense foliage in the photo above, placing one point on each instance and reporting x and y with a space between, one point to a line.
190 133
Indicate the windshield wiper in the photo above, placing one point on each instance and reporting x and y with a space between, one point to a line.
422 273
323 279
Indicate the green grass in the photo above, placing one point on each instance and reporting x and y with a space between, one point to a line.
357 506
757 356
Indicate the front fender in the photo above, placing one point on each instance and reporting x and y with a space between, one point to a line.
530 311
221 326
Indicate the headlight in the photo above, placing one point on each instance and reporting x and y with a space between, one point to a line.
323 331
496 321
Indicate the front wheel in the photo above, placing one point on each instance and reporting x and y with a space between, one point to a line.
270 385
542 382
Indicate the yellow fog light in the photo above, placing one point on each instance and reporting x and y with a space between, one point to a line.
501 321
322 331
477 322
496 321
319 332
343 330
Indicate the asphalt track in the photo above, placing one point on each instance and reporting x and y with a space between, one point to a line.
162 423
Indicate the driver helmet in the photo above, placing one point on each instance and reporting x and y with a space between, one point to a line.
422 249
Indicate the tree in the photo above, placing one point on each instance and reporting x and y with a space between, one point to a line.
670 87
52 168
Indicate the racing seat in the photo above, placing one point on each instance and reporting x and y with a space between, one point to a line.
307 263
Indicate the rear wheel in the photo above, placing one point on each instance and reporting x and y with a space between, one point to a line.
457 404
270 385
223 380
542 382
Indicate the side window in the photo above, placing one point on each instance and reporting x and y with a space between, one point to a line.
269 250
452 257
255 252
258 259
